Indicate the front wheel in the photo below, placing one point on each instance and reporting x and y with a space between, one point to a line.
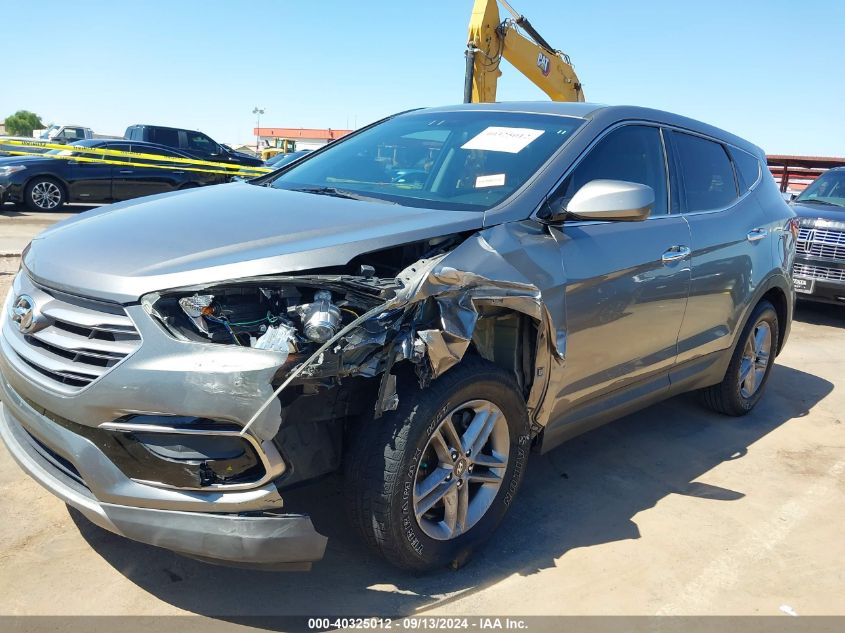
429 482
44 194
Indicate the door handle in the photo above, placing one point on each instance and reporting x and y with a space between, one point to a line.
755 235
126 171
675 254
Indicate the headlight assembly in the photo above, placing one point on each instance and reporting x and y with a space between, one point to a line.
279 317
8 170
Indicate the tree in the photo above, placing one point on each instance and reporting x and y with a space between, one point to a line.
22 123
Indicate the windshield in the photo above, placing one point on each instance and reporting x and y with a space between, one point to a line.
46 133
829 188
467 161
67 152
59 152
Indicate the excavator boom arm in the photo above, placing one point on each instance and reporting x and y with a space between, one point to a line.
491 40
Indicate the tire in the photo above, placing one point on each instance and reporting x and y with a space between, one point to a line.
44 194
734 395
391 457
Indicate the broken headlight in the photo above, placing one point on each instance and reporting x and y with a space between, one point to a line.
275 317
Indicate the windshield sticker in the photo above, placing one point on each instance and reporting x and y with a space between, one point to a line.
503 139
493 180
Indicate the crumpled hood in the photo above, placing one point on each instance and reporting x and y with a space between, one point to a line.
123 251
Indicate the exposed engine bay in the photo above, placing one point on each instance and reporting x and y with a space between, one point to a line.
280 318
344 335
291 314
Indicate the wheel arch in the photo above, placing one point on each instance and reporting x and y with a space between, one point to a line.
508 339
777 297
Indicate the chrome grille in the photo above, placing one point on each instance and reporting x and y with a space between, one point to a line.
825 243
76 341
818 272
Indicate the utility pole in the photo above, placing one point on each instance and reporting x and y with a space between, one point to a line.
257 112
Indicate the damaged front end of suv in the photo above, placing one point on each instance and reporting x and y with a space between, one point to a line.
340 340
175 366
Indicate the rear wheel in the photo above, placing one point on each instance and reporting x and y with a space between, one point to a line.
429 482
44 194
750 365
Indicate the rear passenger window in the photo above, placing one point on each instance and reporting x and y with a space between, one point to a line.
748 167
706 171
633 153
164 136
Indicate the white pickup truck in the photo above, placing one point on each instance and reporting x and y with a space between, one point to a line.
63 133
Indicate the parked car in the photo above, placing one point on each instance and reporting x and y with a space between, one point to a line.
819 270
174 367
280 160
46 182
191 142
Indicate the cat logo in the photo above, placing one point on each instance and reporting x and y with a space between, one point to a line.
543 64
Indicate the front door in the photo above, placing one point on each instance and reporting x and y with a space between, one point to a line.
627 283
88 181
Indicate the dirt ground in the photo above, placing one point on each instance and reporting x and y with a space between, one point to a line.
673 510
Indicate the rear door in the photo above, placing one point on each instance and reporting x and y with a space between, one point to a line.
731 243
627 282
139 179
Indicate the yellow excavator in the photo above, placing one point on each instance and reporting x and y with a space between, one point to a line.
492 39
282 146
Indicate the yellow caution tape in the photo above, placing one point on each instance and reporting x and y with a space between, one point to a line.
103 161
117 152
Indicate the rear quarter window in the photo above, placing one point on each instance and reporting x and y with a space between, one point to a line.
748 168
706 173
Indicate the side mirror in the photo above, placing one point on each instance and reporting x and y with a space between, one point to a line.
610 200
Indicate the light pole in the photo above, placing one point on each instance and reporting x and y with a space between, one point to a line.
257 112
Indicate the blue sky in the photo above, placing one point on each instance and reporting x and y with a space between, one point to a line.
770 71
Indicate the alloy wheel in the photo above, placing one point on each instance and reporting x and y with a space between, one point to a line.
46 195
461 469
755 359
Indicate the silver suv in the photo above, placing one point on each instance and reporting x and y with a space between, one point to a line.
416 307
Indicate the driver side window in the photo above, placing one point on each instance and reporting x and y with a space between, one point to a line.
633 153
200 142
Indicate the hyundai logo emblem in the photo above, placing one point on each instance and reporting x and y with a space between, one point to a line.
23 312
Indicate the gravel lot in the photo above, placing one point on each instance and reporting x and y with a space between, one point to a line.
673 510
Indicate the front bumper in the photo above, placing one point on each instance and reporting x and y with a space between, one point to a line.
237 524
261 539
10 191
828 279
826 292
